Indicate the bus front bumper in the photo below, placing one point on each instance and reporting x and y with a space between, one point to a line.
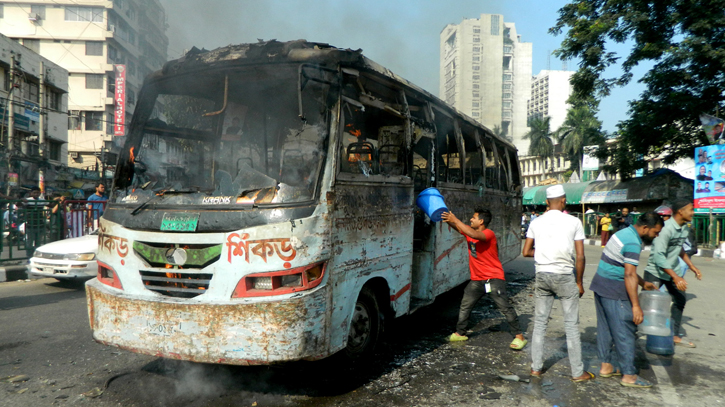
226 333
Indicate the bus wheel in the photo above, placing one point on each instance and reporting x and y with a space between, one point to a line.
365 326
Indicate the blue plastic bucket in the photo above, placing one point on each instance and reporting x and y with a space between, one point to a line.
432 203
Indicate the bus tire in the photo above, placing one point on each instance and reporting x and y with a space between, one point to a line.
366 326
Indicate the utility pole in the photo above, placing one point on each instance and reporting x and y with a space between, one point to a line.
41 131
11 118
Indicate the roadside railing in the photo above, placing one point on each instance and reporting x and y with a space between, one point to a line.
29 224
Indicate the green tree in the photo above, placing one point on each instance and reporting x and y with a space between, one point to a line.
684 39
541 142
498 131
580 128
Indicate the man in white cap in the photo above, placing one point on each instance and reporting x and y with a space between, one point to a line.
553 240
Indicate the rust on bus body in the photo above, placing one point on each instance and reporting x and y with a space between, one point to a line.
227 333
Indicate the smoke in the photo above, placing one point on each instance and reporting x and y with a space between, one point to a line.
401 35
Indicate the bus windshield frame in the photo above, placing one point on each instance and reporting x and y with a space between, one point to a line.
187 147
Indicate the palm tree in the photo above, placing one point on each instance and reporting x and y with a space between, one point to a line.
498 131
580 128
541 143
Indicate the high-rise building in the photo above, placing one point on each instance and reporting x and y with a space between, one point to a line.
549 93
485 72
33 94
89 37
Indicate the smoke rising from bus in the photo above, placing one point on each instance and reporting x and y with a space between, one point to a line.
401 35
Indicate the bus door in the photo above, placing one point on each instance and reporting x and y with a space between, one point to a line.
372 220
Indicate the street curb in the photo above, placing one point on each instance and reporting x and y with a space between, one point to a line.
13 273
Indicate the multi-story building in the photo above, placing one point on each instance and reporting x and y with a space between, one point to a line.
535 171
485 72
89 37
39 89
549 92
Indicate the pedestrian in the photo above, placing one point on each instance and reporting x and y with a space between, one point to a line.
624 221
606 223
34 218
487 275
533 216
616 301
663 260
99 203
553 241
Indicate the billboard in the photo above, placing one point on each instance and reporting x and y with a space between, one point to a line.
710 179
119 116
589 161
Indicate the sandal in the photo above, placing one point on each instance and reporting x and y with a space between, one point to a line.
518 344
536 373
584 379
639 383
685 344
612 374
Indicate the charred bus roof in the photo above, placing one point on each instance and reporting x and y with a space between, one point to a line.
302 51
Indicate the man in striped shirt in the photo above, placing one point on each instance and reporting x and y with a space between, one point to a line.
615 296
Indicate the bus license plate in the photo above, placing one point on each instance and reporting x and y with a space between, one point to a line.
179 222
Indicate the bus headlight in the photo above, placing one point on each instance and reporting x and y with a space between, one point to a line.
280 282
107 276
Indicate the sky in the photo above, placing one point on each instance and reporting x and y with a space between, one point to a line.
402 35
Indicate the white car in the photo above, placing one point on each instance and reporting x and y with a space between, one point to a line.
67 259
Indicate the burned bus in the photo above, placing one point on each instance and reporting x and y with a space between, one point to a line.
263 208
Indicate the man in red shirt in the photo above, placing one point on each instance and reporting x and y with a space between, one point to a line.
487 276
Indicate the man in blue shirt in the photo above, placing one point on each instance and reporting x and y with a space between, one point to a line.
615 297
97 208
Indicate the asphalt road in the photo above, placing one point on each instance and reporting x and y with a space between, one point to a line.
44 335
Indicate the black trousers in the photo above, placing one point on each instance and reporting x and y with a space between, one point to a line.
678 299
477 289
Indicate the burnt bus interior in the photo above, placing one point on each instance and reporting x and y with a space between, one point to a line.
445 150
374 139
245 133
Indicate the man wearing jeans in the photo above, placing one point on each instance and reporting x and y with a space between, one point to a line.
487 276
616 300
552 240
664 259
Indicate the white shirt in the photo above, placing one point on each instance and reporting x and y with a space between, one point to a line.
554 234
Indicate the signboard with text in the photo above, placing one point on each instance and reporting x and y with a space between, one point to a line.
710 179
119 116
590 162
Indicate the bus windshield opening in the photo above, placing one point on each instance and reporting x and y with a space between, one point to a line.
228 137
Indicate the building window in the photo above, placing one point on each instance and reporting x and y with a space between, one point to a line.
33 45
507 95
476 58
54 149
476 77
92 14
507 76
94 48
130 97
476 49
476 114
507 49
476 39
506 105
2 10
53 99
495 29
476 95
94 121
39 10
506 86
94 81
476 86
476 67
74 120
476 104
476 30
